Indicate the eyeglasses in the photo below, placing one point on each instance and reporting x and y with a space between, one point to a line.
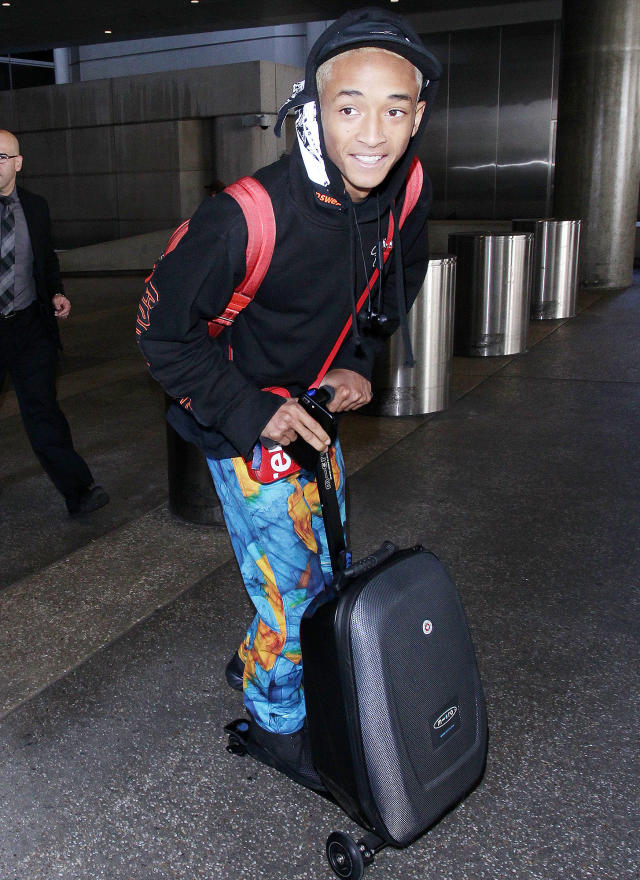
4 157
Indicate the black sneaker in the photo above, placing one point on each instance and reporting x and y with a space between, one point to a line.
290 753
87 501
234 672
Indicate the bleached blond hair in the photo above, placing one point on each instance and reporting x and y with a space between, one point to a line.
324 71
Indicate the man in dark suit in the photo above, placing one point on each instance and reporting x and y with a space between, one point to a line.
31 299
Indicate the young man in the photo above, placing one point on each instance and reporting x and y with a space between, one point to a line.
31 299
359 113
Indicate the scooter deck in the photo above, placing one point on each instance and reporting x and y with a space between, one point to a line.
240 744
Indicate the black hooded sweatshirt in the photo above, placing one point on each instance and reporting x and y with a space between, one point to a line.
325 252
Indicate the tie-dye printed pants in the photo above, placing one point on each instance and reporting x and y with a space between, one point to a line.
280 543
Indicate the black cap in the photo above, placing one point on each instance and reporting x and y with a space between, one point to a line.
376 28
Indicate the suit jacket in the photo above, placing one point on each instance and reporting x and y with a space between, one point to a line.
46 268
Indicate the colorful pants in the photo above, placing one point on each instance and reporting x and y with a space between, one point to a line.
279 540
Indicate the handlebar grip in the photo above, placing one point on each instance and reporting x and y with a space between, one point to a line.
324 394
372 561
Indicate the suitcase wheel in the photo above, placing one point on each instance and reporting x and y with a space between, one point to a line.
347 858
236 747
237 732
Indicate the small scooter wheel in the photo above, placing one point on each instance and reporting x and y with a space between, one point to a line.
344 856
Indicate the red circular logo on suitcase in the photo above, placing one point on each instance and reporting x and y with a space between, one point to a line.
427 627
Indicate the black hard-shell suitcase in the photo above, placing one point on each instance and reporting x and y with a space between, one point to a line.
395 706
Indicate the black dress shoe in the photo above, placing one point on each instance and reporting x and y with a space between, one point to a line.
89 500
234 672
290 753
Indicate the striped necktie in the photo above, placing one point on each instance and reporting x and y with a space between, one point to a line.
7 252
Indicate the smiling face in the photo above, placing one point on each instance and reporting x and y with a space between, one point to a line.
370 111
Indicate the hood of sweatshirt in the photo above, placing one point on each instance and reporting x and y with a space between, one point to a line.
358 28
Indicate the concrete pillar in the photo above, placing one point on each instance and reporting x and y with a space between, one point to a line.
242 144
192 495
597 149
195 162
62 61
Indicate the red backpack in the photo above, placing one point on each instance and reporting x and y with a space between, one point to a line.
257 208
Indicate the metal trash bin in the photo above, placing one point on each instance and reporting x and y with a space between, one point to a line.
399 390
554 285
493 282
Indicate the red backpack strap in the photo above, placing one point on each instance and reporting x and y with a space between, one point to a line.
414 181
257 208
413 188
174 238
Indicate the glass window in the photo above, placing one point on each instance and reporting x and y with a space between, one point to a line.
43 55
24 76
